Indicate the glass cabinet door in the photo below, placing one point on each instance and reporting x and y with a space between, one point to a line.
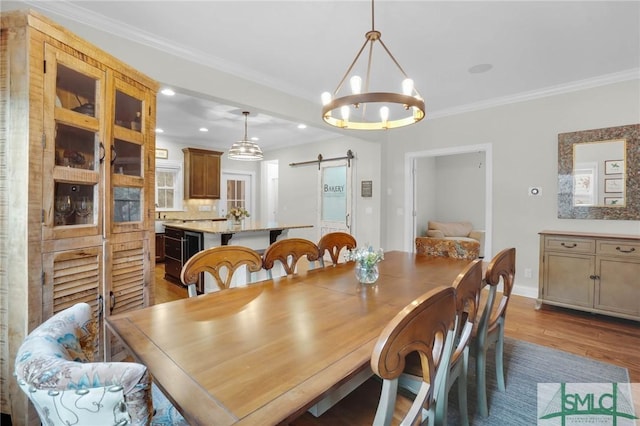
129 159
73 148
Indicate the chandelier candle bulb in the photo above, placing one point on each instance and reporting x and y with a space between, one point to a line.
384 114
356 85
345 112
326 98
407 86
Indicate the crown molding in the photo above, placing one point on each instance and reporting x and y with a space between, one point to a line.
589 83
79 14
84 16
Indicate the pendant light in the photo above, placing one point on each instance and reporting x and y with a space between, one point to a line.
387 110
245 150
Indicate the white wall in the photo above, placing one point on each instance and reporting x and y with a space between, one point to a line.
460 188
524 139
426 190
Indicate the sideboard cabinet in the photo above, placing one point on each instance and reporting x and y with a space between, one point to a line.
597 273
77 203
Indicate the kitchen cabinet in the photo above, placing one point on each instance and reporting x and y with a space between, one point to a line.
590 272
173 254
202 173
180 245
79 171
159 248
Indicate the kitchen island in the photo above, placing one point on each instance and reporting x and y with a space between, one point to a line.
184 239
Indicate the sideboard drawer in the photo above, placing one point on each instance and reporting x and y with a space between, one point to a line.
571 245
619 248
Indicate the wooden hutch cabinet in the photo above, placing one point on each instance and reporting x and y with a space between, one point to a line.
78 191
202 173
597 273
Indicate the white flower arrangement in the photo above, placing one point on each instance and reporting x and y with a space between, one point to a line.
365 257
237 213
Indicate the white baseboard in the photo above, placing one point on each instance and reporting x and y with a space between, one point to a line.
526 291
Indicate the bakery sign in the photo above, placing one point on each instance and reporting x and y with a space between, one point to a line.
333 188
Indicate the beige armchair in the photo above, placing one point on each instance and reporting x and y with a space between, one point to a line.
462 231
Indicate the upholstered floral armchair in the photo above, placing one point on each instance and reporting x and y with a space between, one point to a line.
453 239
54 368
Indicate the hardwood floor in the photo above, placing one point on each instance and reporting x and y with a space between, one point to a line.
607 339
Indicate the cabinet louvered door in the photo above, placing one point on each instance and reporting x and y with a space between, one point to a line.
128 280
74 276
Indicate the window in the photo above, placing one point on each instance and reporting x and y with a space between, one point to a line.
236 196
168 185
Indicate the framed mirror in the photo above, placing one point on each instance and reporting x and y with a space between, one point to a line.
599 174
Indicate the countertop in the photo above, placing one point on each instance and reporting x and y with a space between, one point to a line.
213 219
225 227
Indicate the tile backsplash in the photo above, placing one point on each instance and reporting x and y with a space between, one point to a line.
194 209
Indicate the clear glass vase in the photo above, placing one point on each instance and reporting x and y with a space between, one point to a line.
367 274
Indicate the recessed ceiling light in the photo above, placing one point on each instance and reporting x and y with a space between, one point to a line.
480 68
204 129
167 92
159 130
302 126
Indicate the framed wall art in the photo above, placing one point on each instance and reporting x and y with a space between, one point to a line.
162 153
614 201
613 167
613 185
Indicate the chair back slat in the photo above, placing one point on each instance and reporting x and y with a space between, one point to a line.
468 286
501 269
221 263
288 252
333 243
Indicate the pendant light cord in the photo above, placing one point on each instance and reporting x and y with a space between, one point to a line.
373 22
246 114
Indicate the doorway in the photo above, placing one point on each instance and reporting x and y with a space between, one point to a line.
269 193
237 190
416 181
335 197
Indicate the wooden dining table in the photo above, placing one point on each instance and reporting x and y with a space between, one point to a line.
266 352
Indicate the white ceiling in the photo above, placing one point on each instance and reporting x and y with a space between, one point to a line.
304 48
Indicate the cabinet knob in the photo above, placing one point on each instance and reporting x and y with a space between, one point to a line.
567 245
594 277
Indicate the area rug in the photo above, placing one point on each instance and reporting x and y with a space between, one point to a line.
526 365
